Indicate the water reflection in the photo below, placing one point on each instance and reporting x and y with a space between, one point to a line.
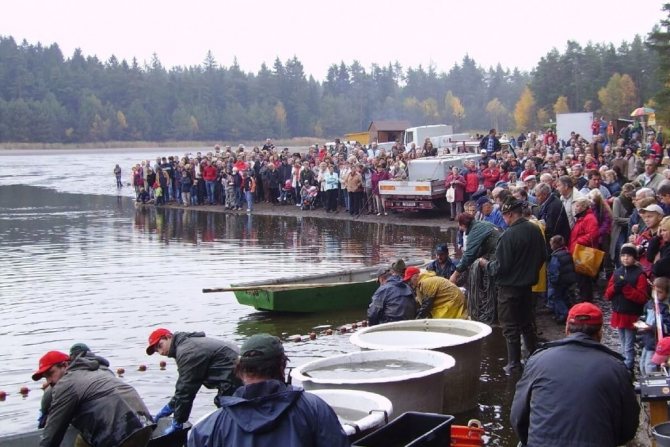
310 239
79 267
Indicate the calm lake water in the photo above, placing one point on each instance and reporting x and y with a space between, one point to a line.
80 264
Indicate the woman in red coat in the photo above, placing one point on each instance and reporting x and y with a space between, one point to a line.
585 232
471 180
457 181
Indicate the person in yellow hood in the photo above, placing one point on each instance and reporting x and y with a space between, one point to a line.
437 297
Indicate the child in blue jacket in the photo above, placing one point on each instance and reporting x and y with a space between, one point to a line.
561 275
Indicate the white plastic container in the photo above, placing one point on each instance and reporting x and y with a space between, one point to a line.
407 390
462 339
359 412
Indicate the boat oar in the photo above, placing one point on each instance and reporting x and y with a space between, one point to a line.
274 287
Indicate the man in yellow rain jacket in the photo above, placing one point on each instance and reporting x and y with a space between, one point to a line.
437 297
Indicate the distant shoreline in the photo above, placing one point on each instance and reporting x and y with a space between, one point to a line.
108 146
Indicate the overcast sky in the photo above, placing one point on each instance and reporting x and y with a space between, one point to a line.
512 32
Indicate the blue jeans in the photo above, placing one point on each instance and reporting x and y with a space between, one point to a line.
210 191
627 337
237 193
646 365
250 199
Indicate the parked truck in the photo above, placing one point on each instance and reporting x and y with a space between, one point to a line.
425 188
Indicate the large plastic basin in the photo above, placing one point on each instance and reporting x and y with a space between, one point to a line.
407 391
359 412
462 339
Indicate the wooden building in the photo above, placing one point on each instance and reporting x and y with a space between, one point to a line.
387 131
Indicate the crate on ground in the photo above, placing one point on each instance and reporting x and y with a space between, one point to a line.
467 435
411 429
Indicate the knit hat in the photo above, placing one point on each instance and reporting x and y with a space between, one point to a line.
629 249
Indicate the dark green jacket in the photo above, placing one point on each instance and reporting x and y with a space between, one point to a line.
480 233
106 410
520 253
201 361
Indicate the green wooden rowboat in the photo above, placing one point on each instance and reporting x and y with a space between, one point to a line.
345 289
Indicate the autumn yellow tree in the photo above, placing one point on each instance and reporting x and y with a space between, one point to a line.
561 105
453 109
280 118
429 109
524 111
618 97
542 117
496 110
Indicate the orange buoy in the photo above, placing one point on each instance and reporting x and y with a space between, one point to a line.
343 330
312 335
3 395
162 364
329 332
120 371
354 325
24 390
142 368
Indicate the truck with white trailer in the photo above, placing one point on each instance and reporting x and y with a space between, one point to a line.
424 189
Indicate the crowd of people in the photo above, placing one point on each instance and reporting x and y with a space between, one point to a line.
527 213
335 177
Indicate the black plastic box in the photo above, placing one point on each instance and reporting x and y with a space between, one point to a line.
411 429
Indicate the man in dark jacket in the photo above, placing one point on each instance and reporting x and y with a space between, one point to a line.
107 411
200 361
520 253
266 412
552 212
575 391
490 143
392 301
76 350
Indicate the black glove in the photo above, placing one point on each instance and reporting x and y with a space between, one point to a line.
424 310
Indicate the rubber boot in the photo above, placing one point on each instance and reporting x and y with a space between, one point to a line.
513 358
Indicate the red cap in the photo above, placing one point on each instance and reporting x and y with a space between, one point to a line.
155 337
585 313
48 360
662 351
409 272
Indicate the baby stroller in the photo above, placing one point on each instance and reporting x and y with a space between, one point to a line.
286 195
309 201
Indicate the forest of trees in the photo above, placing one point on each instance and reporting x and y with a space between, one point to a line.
46 97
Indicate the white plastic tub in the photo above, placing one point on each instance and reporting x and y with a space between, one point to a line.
407 391
461 339
359 412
